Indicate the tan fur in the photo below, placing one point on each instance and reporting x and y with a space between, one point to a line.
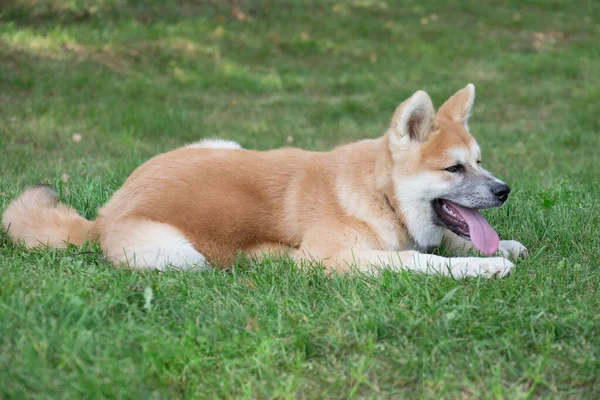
338 207
225 201
37 219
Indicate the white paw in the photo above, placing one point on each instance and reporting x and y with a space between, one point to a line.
511 249
485 267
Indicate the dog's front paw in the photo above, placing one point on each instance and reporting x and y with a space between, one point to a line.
486 267
512 249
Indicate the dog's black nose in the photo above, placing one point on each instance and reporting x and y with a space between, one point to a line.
501 191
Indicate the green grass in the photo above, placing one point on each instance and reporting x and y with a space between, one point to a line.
137 78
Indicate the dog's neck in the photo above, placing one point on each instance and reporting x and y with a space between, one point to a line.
385 186
365 190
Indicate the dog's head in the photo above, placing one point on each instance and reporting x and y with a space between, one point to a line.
438 177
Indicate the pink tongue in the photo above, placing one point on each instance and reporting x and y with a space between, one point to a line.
483 236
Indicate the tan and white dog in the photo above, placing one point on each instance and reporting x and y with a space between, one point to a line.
372 204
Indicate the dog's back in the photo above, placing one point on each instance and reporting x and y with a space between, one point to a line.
222 200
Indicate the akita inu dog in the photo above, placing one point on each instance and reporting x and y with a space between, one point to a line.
372 204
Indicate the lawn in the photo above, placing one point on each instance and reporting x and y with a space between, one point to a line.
89 90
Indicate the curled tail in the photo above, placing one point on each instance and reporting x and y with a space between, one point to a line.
36 218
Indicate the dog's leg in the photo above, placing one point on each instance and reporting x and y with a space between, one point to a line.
143 244
374 261
506 248
458 267
456 244
279 250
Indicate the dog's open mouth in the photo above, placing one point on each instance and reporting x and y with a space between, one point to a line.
467 223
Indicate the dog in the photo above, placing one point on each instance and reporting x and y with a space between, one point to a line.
371 205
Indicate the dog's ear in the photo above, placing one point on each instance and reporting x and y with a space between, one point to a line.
412 119
458 107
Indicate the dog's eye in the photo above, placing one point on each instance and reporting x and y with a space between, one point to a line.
478 162
455 168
